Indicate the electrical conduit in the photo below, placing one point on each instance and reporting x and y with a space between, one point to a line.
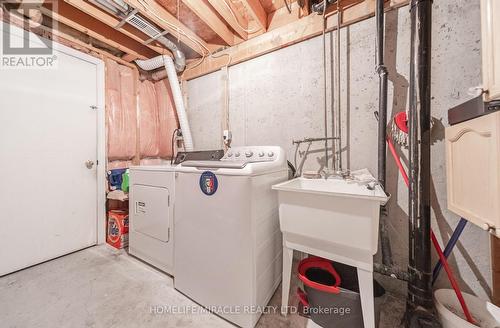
164 60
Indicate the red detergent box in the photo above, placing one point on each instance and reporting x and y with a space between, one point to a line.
117 232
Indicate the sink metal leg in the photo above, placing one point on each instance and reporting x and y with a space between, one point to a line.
287 274
367 298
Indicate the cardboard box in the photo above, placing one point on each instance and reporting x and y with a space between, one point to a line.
117 231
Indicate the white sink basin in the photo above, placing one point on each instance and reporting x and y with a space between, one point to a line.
334 212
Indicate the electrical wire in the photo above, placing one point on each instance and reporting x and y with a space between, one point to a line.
179 30
338 159
205 51
288 6
325 105
237 21
172 145
178 18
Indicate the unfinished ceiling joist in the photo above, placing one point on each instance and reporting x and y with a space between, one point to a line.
284 36
61 37
161 17
282 16
203 10
113 22
256 11
232 16
82 22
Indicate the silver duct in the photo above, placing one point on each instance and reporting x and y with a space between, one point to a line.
124 11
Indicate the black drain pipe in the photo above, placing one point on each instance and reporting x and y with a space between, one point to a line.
385 243
420 307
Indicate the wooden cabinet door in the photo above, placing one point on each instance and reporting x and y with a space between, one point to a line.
473 170
490 27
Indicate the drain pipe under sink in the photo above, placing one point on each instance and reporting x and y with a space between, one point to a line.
167 61
385 241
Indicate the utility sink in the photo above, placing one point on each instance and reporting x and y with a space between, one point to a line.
332 213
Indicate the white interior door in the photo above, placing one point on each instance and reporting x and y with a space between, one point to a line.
48 130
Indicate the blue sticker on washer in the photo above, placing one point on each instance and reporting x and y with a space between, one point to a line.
208 183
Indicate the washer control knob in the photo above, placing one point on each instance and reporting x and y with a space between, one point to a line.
237 154
249 153
270 154
229 154
261 154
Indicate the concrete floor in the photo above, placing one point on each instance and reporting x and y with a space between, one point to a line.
103 287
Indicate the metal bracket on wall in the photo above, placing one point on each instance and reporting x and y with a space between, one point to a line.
126 19
148 41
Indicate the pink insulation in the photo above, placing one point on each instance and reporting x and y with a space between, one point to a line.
156 114
167 117
118 165
120 111
150 124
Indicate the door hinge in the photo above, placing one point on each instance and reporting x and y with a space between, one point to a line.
168 200
168 234
94 107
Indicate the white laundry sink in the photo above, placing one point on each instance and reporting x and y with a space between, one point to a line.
334 212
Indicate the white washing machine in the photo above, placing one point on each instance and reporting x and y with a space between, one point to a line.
228 242
151 212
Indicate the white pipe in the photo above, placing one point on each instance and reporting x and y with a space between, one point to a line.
157 62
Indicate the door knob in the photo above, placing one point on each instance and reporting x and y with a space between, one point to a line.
89 164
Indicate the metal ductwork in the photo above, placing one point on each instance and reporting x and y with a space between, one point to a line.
129 15
319 7
167 62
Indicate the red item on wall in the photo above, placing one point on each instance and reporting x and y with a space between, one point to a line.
117 231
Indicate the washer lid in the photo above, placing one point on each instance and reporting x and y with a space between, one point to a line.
215 164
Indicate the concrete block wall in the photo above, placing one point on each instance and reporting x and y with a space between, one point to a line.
279 97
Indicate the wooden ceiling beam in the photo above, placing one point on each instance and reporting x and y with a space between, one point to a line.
344 4
203 10
112 21
61 37
233 18
86 24
282 16
257 12
281 37
163 18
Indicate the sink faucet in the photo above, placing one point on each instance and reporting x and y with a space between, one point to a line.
372 185
326 172
344 174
